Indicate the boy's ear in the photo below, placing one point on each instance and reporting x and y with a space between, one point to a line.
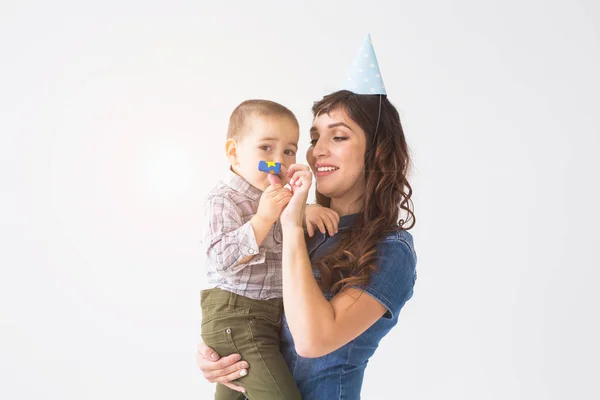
231 151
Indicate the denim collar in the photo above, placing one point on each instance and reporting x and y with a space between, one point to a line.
347 221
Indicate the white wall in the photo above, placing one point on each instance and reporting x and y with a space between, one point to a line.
112 119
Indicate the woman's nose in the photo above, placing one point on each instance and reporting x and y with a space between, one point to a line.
319 149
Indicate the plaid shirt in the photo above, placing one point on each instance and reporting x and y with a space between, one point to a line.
229 237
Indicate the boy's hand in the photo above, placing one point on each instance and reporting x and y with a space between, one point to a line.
273 201
323 218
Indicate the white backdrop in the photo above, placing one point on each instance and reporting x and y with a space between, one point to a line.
112 121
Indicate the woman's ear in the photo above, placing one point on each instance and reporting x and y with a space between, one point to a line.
231 146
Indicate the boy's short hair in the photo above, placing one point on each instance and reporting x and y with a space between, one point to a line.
252 108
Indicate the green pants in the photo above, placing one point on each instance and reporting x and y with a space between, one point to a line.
236 324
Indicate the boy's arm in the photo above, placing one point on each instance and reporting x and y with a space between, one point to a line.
261 229
232 244
322 218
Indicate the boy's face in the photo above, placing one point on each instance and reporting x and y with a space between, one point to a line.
264 138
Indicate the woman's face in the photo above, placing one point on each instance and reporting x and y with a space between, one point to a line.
337 155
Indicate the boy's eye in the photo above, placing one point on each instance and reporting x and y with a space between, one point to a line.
290 153
265 148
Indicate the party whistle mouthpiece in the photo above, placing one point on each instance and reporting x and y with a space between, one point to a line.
270 167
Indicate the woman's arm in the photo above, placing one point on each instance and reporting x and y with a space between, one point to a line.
319 326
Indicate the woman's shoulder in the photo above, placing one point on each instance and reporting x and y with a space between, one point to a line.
400 240
394 277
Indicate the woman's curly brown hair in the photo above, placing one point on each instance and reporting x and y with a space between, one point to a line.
387 193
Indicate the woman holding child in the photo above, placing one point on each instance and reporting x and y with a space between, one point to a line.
342 293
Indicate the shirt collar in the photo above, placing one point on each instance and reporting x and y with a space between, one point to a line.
241 185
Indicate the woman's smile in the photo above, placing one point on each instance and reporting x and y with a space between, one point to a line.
322 169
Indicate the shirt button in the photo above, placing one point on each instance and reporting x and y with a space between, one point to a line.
228 330
251 251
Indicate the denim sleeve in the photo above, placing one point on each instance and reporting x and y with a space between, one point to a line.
393 281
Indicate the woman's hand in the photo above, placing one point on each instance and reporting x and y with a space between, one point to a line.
300 180
221 370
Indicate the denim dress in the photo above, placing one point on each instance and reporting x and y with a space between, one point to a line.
339 375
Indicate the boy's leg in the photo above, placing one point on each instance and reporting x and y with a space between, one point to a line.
269 377
224 393
217 317
237 324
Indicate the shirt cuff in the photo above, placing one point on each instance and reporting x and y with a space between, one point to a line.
248 245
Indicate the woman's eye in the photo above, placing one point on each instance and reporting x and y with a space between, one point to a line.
313 142
290 153
339 138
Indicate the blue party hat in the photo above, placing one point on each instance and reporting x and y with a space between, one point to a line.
363 76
